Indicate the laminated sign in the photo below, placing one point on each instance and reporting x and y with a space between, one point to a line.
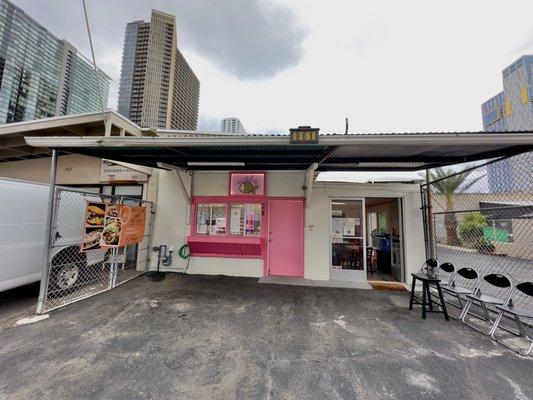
112 225
93 225
123 225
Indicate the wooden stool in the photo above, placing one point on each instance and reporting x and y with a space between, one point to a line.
426 295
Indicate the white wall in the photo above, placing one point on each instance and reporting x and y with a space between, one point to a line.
72 169
172 220
317 251
278 183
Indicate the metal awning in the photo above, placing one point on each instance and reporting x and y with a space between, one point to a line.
353 152
14 148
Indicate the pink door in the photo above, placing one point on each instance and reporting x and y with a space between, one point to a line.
286 238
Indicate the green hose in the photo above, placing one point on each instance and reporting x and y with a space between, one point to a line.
184 251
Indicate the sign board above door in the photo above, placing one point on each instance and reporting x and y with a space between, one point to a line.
111 172
247 184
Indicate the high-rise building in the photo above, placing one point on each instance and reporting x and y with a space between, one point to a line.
41 75
511 110
232 125
158 88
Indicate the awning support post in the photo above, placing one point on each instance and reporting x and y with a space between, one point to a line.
48 235
175 170
309 180
429 211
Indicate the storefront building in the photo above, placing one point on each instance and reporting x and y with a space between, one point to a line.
259 224
249 205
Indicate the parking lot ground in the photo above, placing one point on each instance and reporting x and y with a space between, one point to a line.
200 337
17 303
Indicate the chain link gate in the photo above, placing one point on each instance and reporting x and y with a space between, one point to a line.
482 217
74 275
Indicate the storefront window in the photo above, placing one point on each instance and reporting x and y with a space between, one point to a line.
245 219
211 219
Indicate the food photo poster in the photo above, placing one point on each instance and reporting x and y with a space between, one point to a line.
93 225
112 225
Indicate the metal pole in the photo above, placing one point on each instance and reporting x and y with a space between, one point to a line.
94 60
429 210
48 235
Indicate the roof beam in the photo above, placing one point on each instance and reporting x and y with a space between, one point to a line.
176 171
12 142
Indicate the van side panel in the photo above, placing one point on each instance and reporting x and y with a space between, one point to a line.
23 208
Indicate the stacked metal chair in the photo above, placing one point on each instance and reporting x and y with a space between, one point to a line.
492 294
519 306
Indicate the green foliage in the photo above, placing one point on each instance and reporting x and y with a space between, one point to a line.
484 246
450 183
471 227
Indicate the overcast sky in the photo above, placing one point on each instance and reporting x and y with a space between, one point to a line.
388 65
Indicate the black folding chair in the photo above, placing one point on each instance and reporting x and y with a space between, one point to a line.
429 266
464 281
500 288
445 272
524 291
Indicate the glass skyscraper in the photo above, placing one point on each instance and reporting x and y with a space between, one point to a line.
511 110
40 75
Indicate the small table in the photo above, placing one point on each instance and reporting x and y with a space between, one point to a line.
426 295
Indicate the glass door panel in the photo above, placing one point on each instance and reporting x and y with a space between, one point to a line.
347 239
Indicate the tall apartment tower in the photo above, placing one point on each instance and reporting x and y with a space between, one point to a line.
231 125
41 75
158 88
511 110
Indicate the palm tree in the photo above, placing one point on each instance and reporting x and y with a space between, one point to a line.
448 182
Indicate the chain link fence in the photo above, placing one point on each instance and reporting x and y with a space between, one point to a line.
74 275
481 216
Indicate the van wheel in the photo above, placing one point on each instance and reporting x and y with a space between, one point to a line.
66 269
67 276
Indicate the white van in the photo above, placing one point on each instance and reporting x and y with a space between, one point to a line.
23 210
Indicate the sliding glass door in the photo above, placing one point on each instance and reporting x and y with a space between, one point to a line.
347 240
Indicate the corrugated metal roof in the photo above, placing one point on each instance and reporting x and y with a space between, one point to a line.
334 152
188 134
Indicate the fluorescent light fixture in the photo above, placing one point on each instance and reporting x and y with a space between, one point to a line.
407 164
215 164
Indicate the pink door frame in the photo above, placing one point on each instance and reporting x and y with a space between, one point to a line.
294 237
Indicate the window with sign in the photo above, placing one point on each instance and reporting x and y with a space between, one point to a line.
245 219
211 219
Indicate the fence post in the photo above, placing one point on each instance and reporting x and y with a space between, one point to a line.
48 235
429 217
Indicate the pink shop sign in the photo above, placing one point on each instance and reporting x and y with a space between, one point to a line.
247 184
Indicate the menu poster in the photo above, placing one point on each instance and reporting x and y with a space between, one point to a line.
249 218
201 226
133 225
235 223
349 226
93 225
123 225
336 230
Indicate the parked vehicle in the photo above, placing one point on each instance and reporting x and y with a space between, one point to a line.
23 211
